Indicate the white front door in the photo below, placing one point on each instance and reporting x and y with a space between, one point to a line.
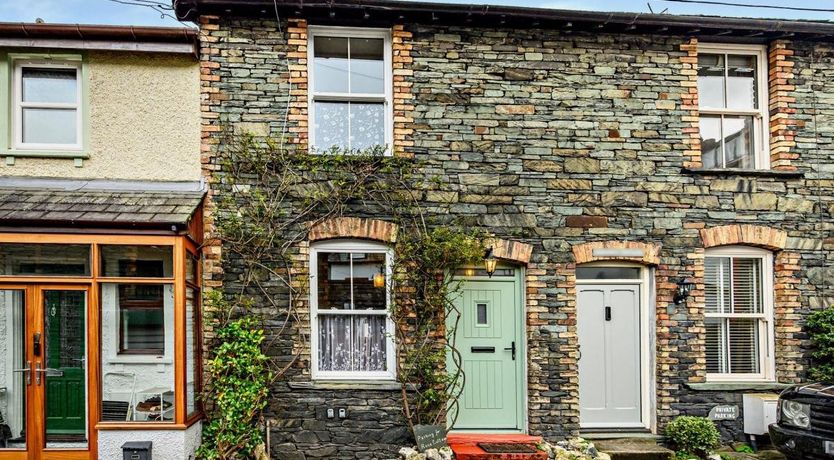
608 323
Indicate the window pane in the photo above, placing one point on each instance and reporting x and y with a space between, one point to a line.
142 319
192 349
13 341
367 65
137 261
481 313
738 142
45 259
333 281
607 273
715 346
49 126
711 80
365 295
711 149
717 284
331 64
137 387
741 82
352 343
367 125
49 85
192 261
747 286
744 346
331 125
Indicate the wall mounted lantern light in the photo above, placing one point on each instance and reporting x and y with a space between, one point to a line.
379 278
682 292
490 262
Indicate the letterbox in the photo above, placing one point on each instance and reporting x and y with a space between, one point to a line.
137 450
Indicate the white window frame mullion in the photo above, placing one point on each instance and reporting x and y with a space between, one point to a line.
765 320
386 98
19 105
761 115
351 246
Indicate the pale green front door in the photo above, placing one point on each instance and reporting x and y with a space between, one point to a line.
486 330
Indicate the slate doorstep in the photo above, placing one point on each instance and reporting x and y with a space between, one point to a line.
633 449
465 446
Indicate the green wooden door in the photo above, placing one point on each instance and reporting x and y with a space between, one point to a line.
486 335
64 358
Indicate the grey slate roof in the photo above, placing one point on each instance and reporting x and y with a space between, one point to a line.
57 203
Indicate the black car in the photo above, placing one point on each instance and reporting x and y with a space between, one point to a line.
804 427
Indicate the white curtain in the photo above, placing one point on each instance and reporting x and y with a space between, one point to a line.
352 343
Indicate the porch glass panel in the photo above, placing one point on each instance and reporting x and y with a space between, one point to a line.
45 259
14 377
137 261
137 352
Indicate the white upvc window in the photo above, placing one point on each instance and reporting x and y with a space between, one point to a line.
733 106
352 331
46 113
350 88
738 284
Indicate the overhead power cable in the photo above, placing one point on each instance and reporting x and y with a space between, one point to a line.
748 5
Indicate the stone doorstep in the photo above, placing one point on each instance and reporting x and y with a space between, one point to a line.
633 449
465 446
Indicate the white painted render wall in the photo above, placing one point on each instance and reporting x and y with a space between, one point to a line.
167 444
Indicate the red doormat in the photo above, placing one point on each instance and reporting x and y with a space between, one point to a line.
508 448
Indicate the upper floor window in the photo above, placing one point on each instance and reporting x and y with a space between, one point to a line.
738 285
47 105
352 329
350 79
732 92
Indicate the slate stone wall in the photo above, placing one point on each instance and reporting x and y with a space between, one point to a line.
555 139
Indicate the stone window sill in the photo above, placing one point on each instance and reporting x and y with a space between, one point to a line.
738 386
348 385
743 172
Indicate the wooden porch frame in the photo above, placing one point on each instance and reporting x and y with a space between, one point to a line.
31 285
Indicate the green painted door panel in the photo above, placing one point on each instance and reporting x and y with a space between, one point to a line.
64 313
485 328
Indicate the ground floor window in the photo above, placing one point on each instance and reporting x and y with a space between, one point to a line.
738 285
350 294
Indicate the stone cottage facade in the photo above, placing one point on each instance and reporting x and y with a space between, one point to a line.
659 188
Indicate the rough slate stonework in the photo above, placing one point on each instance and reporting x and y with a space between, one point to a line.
556 139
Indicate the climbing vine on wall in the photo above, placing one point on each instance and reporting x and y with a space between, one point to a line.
267 197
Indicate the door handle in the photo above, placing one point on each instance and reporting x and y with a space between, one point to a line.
27 370
50 372
608 313
511 348
37 373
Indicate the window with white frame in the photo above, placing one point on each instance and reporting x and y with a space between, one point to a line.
47 105
733 108
349 295
350 98
738 285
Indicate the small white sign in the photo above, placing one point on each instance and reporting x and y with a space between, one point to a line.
829 447
728 412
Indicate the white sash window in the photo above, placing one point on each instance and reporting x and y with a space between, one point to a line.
733 107
350 96
738 285
352 331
